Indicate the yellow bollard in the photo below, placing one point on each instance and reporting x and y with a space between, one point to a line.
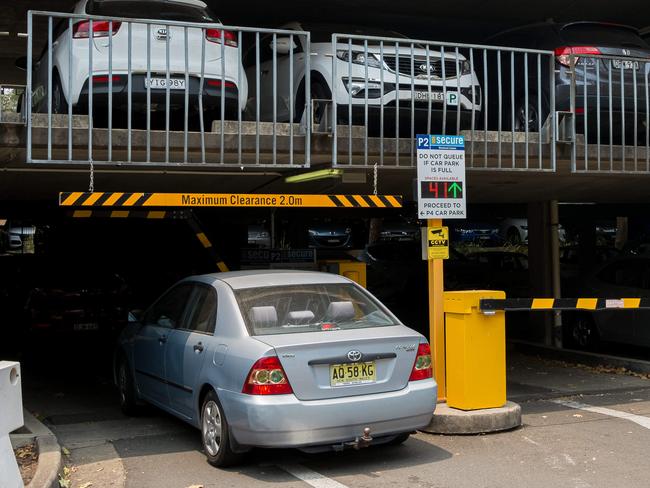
353 270
475 351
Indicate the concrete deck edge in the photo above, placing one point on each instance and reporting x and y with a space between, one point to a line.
50 461
582 357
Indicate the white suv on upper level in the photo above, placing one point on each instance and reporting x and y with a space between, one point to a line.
70 83
403 81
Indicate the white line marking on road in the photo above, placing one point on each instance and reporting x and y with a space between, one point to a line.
310 477
637 419
529 440
569 459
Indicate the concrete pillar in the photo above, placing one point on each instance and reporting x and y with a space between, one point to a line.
621 233
374 233
586 244
540 268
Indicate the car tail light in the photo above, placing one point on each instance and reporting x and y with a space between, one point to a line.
101 28
105 78
217 83
214 35
267 378
422 366
563 54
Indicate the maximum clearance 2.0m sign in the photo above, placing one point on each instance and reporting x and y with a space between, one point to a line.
441 177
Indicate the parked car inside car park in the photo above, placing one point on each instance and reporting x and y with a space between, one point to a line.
330 236
624 277
277 359
150 44
359 76
481 233
600 42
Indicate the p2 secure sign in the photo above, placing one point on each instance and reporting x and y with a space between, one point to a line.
441 177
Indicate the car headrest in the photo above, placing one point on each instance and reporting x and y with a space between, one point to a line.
301 317
263 317
340 311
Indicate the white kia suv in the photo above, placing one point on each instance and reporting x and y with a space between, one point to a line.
70 83
403 81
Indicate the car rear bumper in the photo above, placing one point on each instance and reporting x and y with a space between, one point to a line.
158 96
284 421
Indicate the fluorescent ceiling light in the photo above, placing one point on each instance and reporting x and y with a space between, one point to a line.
314 175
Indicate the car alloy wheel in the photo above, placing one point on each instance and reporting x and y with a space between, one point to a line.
211 427
532 122
583 333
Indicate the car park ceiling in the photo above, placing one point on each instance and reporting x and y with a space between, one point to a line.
467 21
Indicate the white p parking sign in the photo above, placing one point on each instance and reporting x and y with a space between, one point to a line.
441 177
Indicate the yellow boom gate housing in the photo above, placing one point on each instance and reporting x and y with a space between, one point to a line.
475 351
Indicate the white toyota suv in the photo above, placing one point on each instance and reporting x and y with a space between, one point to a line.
70 84
402 80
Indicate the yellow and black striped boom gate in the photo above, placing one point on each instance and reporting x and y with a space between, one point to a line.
184 214
562 304
230 200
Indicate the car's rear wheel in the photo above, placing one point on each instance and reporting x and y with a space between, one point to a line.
584 334
513 236
59 103
535 118
215 434
126 388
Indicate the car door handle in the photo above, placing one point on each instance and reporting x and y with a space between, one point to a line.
198 348
162 340
265 72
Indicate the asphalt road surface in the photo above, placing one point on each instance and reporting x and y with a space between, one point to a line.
597 439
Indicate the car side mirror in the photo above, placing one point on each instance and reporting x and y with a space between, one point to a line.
283 45
21 63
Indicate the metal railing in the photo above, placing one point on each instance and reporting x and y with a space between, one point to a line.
143 91
609 98
11 103
137 92
387 90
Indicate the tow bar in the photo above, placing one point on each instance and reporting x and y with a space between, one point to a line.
363 441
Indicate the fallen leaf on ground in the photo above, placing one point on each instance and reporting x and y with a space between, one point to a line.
65 451
86 485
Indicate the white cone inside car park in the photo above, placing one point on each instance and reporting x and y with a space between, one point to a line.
11 406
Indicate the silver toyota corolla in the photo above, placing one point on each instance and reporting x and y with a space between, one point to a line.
277 359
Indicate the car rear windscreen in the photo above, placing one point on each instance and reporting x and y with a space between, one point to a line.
145 9
601 35
310 308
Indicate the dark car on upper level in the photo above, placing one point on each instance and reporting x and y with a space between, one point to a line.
599 50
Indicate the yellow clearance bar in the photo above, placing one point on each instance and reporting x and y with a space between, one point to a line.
121 199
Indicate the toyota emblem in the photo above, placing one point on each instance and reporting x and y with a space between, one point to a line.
354 356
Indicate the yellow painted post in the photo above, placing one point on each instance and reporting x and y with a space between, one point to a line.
437 318
353 270
476 351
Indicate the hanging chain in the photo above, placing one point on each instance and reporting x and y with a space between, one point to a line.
91 183
375 174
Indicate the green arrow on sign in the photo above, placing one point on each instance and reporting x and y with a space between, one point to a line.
455 188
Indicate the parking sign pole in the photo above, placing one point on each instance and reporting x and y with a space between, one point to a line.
437 317
441 194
